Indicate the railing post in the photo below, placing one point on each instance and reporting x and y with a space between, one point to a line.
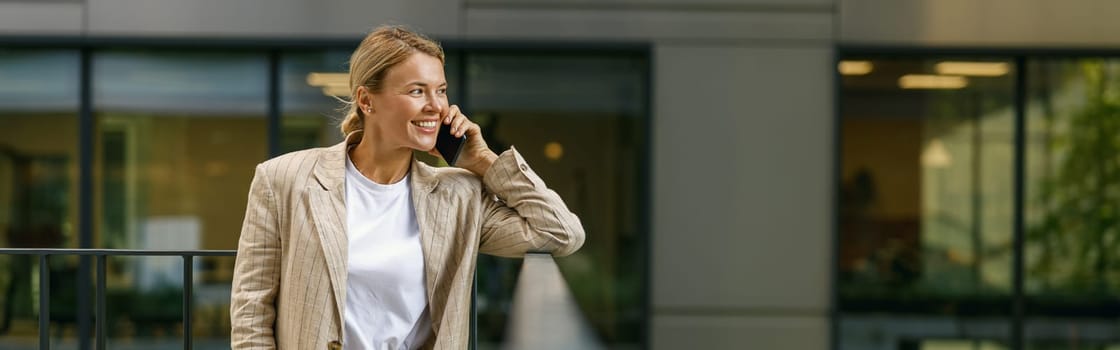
188 284
44 303
100 319
83 302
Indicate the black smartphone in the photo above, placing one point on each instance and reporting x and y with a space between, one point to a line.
448 145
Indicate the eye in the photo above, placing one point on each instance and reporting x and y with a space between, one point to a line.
416 92
442 91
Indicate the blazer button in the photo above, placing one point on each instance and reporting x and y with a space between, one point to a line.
334 345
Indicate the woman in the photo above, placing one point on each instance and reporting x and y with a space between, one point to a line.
361 246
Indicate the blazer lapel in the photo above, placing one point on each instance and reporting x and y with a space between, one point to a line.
423 186
328 211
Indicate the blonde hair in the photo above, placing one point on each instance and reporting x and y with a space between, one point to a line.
381 50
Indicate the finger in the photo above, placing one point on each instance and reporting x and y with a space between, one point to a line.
471 128
457 125
451 113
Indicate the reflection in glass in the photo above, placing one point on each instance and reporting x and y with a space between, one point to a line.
1074 178
178 135
311 85
144 302
212 277
1072 251
926 212
38 188
926 204
579 121
963 158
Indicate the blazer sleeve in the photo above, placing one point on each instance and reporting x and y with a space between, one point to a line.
522 215
256 275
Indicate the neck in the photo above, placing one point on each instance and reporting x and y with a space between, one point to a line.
381 163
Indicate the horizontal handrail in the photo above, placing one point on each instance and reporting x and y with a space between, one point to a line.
544 314
114 252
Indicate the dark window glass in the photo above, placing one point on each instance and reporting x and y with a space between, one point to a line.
178 136
926 201
1072 256
38 189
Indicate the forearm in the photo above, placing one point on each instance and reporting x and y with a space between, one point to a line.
529 217
483 165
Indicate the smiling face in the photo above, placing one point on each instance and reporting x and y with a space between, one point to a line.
406 111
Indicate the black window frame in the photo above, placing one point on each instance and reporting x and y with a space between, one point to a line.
1017 315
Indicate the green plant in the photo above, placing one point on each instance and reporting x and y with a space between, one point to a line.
1078 236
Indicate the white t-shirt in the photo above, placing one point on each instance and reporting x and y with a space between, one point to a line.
386 299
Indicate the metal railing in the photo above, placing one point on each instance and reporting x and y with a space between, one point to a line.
101 256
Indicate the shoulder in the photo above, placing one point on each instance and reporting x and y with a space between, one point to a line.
290 166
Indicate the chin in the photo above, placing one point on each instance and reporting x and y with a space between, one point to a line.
424 146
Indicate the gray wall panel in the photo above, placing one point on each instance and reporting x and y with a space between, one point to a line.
46 18
989 23
742 167
592 24
761 4
270 18
737 332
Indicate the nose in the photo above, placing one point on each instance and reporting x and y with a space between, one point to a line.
435 104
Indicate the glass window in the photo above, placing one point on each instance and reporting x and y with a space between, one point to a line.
178 135
926 211
38 187
311 85
580 122
1072 250
38 148
146 308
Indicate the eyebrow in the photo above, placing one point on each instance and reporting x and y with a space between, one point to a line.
424 84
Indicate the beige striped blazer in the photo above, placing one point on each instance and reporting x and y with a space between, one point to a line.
289 283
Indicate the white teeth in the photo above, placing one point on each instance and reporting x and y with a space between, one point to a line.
426 124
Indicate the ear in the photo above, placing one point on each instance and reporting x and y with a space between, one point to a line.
364 99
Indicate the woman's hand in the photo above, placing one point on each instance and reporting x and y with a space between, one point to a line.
476 156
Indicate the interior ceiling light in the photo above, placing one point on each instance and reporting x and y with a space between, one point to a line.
332 84
925 81
976 69
855 67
